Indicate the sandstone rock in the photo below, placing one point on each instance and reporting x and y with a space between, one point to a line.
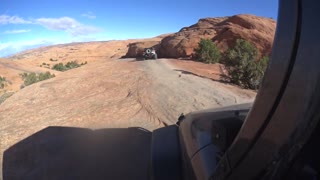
136 49
223 31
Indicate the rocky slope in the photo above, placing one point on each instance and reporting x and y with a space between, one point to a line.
112 93
33 60
223 31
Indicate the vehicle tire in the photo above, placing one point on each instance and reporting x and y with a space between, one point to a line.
155 56
148 51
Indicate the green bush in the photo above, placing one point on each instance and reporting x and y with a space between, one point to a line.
45 76
72 64
68 66
243 66
59 67
3 82
207 52
5 96
31 78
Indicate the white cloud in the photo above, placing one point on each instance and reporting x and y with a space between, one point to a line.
89 15
5 19
67 24
17 31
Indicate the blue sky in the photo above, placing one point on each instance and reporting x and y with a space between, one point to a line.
26 24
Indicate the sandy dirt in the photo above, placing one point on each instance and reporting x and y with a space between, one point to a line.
211 71
174 90
113 93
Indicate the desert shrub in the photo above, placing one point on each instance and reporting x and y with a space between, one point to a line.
31 78
5 96
45 65
72 64
243 66
59 67
84 63
3 82
45 76
207 52
68 66
53 59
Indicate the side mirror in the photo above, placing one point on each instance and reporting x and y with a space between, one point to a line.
206 135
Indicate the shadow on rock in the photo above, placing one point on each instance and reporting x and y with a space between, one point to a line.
78 153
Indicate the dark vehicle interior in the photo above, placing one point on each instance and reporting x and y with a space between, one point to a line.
276 137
